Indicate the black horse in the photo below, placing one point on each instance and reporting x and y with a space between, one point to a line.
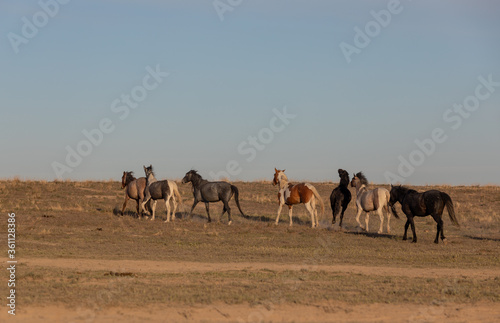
207 192
430 202
340 197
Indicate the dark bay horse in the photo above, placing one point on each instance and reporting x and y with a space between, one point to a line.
134 189
371 200
340 197
208 192
423 204
161 190
290 194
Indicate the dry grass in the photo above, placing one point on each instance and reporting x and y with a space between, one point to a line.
76 220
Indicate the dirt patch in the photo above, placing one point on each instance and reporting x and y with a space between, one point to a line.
149 266
325 312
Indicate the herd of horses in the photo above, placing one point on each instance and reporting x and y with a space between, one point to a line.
146 191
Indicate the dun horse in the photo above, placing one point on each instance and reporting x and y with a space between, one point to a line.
134 189
157 190
430 202
208 192
290 195
340 197
371 200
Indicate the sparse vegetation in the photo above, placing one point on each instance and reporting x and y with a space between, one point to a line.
76 220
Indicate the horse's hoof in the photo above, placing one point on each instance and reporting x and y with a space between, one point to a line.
445 241
229 223
379 232
275 223
414 241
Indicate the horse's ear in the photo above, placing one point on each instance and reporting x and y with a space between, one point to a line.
275 169
283 170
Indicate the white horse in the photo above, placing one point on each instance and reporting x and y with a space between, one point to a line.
371 200
290 194
156 190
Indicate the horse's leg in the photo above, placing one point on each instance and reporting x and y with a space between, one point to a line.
360 210
311 211
407 224
381 216
208 211
412 223
167 205
146 199
342 215
154 208
125 203
290 214
439 229
174 203
228 209
367 219
192 208
388 220
222 214
278 216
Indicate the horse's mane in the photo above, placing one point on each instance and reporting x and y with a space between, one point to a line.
129 177
284 176
344 178
362 178
405 189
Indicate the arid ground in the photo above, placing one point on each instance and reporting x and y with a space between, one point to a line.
79 260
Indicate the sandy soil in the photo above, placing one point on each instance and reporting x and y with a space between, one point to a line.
327 311
139 266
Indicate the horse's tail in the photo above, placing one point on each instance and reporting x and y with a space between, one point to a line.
449 206
318 197
236 193
176 193
390 207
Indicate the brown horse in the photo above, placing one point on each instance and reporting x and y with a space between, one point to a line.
134 189
290 195
371 200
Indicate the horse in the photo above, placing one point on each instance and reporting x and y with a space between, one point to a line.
423 204
340 197
209 192
157 190
134 189
371 200
302 193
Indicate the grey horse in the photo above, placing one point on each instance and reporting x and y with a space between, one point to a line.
207 192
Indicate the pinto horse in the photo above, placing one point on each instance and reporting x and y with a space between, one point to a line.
430 202
290 195
371 200
157 190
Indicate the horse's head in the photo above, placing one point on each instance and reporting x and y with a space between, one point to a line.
359 179
190 176
127 177
277 176
344 177
397 192
148 170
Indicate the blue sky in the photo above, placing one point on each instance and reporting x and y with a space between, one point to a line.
227 78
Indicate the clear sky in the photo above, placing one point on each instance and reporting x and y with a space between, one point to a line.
405 91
